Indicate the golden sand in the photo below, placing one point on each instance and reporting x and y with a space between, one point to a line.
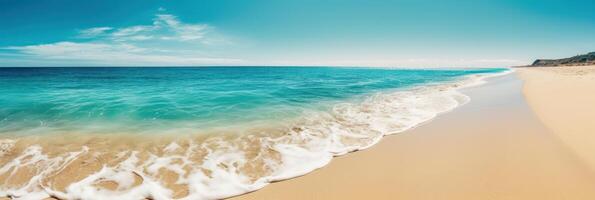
492 148
564 99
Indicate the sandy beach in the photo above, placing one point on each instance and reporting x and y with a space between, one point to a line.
514 140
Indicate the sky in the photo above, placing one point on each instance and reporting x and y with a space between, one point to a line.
386 33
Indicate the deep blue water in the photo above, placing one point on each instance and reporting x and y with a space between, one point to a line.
136 99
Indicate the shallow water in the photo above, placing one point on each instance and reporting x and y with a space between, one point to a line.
201 133
152 99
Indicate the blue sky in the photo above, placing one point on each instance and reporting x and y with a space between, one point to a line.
406 33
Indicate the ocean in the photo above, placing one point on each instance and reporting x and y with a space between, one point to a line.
221 131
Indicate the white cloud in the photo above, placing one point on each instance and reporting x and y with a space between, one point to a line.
165 27
167 41
128 31
116 54
65 50
93 32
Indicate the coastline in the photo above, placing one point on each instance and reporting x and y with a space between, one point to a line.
98 166
513 140
494 147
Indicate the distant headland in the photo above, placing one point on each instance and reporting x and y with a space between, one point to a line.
579 60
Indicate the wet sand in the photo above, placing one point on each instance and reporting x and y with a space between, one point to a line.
494 147
62 161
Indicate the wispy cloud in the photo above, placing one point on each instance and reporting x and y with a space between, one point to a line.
167 41
116 54
164 27
93 32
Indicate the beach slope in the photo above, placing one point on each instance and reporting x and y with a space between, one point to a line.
564 99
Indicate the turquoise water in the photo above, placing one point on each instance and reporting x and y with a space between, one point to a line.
143 99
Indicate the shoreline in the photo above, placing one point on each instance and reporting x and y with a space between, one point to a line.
494 147
110 165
